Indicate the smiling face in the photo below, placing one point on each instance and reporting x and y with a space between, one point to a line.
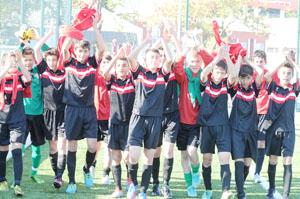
122 68
28 61
13 62
52 62
82 54
152 60
285 74
194 62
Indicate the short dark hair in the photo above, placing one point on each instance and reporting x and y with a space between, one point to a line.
222 64
287 65
108 57
27 51
51 52
261 54
154 50
83 44
245 70
123 59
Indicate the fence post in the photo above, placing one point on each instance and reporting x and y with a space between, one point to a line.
42 25
69 12
23 12
57 20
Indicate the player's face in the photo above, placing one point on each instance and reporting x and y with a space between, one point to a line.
194 64
82 54
246 81
285 75
104 62
152 60
218 74
259 61
122 69
14 66
28 61
52 62
162 58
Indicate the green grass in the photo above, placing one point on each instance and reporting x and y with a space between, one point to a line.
177 183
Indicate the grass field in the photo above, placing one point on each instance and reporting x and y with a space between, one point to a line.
177 184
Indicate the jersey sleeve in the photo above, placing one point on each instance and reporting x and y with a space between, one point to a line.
42 66
93 62
68 62
256 89
232 90
203 85
271 86
138 69
296 87
109 82
24 84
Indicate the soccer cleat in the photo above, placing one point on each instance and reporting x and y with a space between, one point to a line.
88 179
18 191
166 192
256 178
92 171
3 186
196 180
131 193
191 191
117 193
270 194
105 180
227 195
37 179
71 188
57 183
142 195
207 194
155 190
128 182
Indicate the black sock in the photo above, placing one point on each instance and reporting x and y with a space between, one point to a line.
259 160
53 161
287 180
226 177
271 174
106 171
71 163
3 155
127 170
132 170
147 170
155 170
94 163
206 174
18 165
246 172
89 159
239 178
117 171
168 167
61 165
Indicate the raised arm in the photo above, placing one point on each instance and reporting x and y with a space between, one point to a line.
133 55
259 71
170 27
270 73
41 42
100 43
6 67
209 67
289 58
168 63
65 48
233 75
26 75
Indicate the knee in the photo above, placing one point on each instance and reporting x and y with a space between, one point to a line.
184 155
287 160
192 151
72 146
169 153
247 162
157 152
116 157
92 149
273 160
207 159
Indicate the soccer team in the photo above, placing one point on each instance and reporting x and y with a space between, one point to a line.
130 105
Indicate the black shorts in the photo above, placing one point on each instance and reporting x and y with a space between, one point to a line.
280 142
244 144
102 134
188 135
55 124
169 128
144 128
118 136
80 122
12 133
261 134
36 127
215 135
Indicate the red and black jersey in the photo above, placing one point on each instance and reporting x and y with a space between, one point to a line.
53 85
243 116
171 96
13 112
149 92
122 96
80 82
213 110
282 106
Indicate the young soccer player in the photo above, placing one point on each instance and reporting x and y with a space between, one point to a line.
243 120
213 117
146 118
169 127
122 96
53 90
103 108
12 117
80 112
280 120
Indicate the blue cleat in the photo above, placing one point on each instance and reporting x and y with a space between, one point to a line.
71 188
88 179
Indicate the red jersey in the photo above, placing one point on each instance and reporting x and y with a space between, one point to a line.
101 99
